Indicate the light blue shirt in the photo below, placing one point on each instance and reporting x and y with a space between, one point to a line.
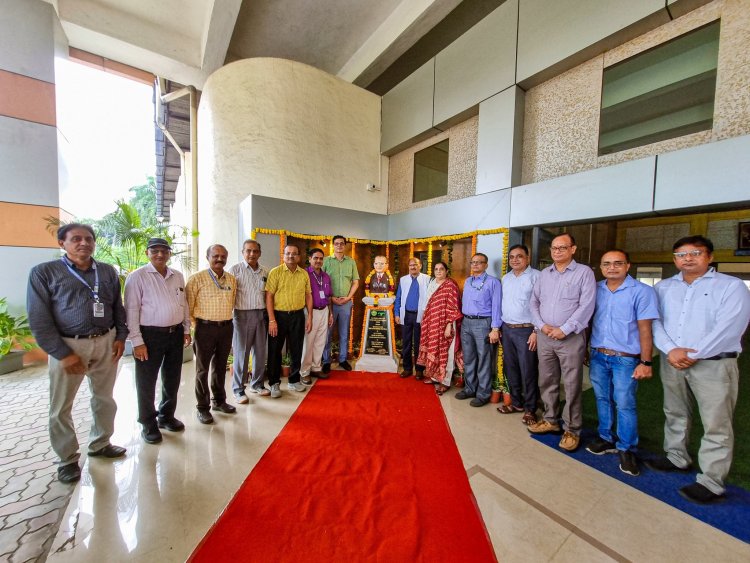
483 297
618 312
709 315
516 294
564 299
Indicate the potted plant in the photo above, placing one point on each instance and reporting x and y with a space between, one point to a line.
286 364
14 334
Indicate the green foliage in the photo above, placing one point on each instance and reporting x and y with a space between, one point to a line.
14 330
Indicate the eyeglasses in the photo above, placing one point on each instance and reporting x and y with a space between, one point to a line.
339 243
682 255
616 264
291 254
477 262
559 248
159 250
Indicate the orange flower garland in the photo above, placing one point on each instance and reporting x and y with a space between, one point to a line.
411 250
282 244
429 258
351 331
473 245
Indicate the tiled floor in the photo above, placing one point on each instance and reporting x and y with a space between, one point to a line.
158 502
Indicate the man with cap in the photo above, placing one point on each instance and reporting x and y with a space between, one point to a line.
159 325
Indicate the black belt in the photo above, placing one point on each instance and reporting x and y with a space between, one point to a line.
213 323
87 336
722 356
475 317
288 312
167 329
522 325
321 308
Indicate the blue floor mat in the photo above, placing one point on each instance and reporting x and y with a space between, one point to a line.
731 516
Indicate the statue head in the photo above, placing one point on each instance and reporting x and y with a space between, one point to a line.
380 264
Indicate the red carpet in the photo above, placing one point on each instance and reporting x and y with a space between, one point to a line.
365 470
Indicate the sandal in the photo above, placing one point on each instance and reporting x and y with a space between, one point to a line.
440 389
508 409
529 418
429 381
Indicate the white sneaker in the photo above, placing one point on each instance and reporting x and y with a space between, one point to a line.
296 387
275 391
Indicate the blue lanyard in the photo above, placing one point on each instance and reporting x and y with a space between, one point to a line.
95 289
213 278
481 285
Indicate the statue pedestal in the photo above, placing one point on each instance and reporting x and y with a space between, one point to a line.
378 341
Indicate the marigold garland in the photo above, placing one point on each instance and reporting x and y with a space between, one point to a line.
429 258
474 245
282 245
411 249
351 332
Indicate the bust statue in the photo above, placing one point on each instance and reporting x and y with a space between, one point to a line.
379 286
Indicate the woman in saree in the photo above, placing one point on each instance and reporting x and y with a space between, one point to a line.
439 347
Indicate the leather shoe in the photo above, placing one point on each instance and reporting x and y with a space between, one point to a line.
326 368
204 417
151 435
224 407
69 473
172 424
405 374
109 451
461 395
477 402
697 493
663 465
345 366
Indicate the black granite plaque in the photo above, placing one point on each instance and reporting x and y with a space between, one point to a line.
376 339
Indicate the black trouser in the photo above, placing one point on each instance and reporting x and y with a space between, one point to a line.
521 367
164 352
411 331
291 329
212 346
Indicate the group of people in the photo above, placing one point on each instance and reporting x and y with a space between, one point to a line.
554 321
77 316
696 318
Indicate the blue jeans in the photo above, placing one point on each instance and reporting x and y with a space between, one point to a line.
614 387
341 316
479 356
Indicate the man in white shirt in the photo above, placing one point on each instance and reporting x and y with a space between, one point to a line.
250 325
159 325
518 336
703 317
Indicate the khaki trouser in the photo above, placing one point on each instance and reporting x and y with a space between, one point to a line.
315 342
96 353
712 384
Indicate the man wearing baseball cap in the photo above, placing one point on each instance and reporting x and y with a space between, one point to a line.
159 324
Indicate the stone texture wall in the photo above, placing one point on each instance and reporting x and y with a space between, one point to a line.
462 168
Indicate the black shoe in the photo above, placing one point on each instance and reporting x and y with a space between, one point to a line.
172 424
700 494
345 366
663 465
419 376
600 446
476 402
320 375
224 407
151 435
204 417
69 473
461 395
406 373
109 451
629 463
326 368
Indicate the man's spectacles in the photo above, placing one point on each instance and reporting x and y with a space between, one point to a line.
291 254
616 264
559 248
339 243
682 255
477 262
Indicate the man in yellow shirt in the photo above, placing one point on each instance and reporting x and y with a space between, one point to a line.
210 295
288 294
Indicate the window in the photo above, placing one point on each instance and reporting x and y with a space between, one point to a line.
662 93
431 172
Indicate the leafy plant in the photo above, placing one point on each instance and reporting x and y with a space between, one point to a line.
286 359
14 330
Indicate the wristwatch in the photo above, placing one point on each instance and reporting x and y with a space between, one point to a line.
647 363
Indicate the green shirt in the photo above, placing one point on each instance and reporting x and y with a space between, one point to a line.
342 272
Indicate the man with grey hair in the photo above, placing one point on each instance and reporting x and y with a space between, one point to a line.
250 325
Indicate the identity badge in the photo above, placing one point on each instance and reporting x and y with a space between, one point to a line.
98 309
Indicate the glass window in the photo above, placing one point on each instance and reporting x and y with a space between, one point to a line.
662 93
431 172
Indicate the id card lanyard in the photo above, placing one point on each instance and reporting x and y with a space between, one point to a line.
98 305
216 282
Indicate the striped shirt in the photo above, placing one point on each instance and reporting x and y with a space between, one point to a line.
251 286
209 298
288 288
59 303
155 300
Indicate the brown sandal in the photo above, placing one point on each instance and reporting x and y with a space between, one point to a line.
529 418
440 389
508 409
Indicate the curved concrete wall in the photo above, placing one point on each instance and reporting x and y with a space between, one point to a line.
283 129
